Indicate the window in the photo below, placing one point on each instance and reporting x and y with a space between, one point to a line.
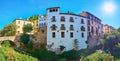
53 27
82 28
50 10
44 24
18 22
39 25
53 34
53 10
18 32
71 27
62 27
82 34
88 28
88 22
62 34
53 19
92 29
82 21
71 34
24 23
71 19
18 26
56 10
88 16
62 18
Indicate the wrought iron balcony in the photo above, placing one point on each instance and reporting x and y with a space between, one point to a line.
71 28
53 19
82 28
53 27
62 28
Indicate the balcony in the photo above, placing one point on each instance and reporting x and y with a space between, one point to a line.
82 28
88 23
53 20
62 28
71 19
62 19
53 27
71 28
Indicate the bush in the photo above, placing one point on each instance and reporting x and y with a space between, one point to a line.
97 56
6 43
30 45
69 55
25 38
62 59
2 57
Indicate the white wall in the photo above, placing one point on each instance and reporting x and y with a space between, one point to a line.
67 41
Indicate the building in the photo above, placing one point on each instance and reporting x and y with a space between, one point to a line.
94 29
20 23
108 29
63 29
35 26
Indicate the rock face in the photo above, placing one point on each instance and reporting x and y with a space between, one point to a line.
93 41
40 37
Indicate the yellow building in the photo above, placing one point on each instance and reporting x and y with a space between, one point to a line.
35 26
20 23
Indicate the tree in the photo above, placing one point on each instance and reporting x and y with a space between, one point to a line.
102 42
6 43
9 30
25 38
75 45
30 45
27 28
33 18
98 56
118 29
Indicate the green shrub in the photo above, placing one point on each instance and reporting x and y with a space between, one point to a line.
30 45
25 38
62 59
2 57
97 56
6 43
69 55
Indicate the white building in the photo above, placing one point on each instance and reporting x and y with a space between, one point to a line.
64 28
42 22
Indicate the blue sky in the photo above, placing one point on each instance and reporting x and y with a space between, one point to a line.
11 9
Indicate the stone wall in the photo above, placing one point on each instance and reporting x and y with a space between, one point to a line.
40 37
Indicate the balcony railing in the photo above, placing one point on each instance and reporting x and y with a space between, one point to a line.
53 19
53 27
71 28
71 20
82 28
62 28
62 20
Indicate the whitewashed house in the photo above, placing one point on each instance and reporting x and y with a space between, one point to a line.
64 28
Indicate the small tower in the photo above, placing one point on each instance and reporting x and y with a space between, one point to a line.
53 10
